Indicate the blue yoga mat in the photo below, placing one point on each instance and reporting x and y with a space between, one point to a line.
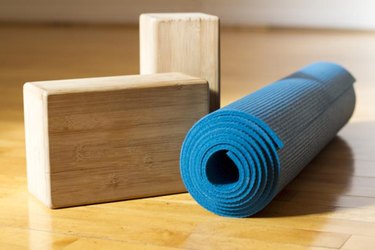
235 160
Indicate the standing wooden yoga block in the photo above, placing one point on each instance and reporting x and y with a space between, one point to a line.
182 42
111 138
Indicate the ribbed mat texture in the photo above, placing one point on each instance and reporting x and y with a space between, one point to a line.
235 160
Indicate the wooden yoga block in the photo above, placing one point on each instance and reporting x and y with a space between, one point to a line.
110 138
182 42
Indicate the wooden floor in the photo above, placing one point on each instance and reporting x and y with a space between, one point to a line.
330 205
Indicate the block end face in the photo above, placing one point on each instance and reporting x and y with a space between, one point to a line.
36 138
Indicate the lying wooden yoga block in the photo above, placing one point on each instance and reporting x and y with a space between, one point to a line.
110 138
182 42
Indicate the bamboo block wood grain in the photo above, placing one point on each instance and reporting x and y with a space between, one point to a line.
110 138
182 42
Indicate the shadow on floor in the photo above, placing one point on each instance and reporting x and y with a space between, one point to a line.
319 186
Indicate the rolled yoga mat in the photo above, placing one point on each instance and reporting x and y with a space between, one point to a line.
235 160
